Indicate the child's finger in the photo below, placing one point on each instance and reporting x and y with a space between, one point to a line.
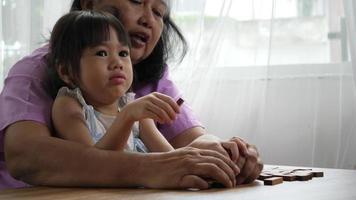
165 106
159 112
155 117
169 101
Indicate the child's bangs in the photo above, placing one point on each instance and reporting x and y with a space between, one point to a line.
94 31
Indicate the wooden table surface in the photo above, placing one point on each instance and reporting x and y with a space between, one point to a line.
336 184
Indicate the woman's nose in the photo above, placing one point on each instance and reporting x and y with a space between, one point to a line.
147 18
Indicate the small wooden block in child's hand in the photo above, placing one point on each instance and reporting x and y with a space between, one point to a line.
180 101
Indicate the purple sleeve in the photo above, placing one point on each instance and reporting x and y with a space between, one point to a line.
186 118
23 98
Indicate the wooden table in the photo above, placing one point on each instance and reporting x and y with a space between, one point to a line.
336 184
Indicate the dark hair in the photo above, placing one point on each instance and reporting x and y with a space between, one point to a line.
71 35
171 44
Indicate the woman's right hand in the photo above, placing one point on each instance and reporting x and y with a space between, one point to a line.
188 167
157 106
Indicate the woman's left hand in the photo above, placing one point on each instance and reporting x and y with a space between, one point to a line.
245 155
250 163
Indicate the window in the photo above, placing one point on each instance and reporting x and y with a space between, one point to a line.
260 32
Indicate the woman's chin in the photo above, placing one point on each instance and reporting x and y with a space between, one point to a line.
137 56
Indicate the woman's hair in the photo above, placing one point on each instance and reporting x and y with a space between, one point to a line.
71 35
171 44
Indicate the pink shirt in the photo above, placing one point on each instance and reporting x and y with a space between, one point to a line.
24 98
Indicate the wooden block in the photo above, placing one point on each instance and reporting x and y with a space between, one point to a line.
263 176
286 177
180 101
303 176
273 181
317 174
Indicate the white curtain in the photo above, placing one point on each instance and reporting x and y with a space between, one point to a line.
275 72
24 26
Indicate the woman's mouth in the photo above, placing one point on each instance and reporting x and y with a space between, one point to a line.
139 40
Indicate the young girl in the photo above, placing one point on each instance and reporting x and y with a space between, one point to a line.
91 70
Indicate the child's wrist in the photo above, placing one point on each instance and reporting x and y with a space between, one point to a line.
125 116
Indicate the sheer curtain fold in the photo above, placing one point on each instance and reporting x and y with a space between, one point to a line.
25 25
350 10
348 124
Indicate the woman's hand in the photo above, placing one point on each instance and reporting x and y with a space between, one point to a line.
188 167
156 106
250 163
240 152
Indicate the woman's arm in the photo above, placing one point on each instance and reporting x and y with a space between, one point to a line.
152 138
35 157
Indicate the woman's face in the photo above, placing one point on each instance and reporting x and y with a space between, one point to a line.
143 20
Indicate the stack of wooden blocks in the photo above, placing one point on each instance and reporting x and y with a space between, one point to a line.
277 175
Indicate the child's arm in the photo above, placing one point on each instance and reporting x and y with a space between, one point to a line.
71 125
69 122
117 135
152 138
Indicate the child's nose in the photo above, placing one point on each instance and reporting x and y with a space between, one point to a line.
116 64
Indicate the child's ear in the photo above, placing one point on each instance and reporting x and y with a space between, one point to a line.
65 75
87 4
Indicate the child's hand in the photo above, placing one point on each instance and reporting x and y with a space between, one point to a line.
156 106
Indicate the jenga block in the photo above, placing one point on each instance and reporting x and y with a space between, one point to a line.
303 176
263 176
180 101
317 174
286 177
273 181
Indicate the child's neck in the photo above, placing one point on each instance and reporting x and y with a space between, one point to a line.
110 109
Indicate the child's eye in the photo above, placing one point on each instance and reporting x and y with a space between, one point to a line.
101 53
123 53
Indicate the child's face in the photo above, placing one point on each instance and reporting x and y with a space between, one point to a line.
105 71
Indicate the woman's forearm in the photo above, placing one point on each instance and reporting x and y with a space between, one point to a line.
39 159
35 157
187 137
